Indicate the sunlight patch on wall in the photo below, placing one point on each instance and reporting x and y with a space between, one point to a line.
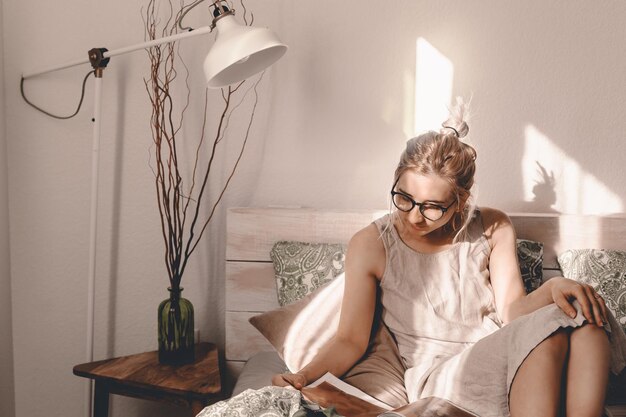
434 74
576 191
408 98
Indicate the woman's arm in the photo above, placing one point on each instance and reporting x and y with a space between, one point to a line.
504 272
508 288
365 260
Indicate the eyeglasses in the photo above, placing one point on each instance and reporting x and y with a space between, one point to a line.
430 211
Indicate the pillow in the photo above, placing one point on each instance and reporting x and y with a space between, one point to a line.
604 270
299 330
530 257
300 267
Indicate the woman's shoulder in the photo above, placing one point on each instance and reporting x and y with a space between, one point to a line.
367 237
366 247
492 217
495 222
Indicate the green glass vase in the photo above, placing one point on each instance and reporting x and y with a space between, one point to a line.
175 315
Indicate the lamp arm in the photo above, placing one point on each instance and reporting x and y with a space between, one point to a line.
179 36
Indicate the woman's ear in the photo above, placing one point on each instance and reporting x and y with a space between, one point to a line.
461 206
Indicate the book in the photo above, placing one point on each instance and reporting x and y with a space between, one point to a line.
337 384
349 401
329 391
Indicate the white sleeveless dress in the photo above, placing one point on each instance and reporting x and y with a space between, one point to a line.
440 308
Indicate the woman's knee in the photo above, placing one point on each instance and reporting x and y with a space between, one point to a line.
556 345
591 336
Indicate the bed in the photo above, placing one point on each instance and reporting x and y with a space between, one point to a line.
250 285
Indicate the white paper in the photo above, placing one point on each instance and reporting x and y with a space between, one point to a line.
347 388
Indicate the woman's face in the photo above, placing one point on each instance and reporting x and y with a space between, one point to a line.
433 193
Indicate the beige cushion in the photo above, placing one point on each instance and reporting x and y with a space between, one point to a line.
299 330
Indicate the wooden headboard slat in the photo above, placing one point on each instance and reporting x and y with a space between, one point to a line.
251 232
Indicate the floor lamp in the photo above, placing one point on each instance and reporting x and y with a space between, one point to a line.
238 53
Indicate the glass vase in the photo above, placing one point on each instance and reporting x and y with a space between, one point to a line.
175 315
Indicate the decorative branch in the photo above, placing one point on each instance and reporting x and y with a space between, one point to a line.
181 208
232 173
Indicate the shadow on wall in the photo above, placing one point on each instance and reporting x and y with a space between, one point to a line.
544 193
564 185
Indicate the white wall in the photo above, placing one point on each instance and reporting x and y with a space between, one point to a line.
547 84
547 72
7 392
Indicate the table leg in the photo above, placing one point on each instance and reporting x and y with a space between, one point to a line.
101 400
197 406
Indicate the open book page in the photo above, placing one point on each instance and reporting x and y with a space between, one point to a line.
348 401
348 389
428 407
326 395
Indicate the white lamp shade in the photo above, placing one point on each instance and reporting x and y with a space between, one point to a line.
240 52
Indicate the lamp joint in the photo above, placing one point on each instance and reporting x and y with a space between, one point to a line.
98 61
220 11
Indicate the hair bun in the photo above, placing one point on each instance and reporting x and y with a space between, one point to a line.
463 129
456 123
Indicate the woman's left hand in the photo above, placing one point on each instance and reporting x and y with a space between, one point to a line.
564 291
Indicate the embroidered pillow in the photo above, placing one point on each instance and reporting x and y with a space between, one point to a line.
530 257
300 267
604 270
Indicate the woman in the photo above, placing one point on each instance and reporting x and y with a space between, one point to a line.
453 298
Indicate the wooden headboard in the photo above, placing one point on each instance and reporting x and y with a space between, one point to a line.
251 233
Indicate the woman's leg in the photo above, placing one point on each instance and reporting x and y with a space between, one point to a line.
536 388
587 372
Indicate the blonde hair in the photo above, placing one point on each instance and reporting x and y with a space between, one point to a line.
444 155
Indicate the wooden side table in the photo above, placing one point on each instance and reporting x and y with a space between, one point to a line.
193 386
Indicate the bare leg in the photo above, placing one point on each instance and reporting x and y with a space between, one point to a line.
587 372
536 388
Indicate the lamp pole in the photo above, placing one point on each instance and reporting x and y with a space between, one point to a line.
99 63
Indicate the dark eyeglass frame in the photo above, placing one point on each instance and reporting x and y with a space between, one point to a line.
419 205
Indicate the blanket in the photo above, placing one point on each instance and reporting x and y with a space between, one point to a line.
265 402
273 401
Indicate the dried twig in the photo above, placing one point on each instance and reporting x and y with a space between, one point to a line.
183 220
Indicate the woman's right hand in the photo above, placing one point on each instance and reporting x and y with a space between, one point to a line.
564 291
298 381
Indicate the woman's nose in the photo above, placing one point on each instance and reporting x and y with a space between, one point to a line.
415 216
